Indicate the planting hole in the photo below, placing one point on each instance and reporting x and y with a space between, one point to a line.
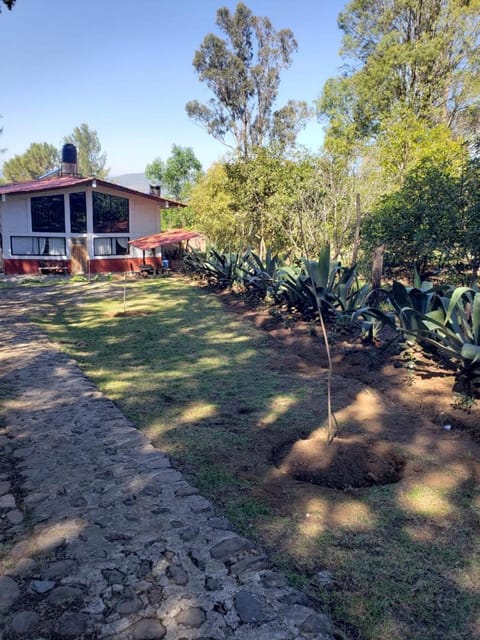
345 463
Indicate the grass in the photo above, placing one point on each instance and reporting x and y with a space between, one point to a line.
207 388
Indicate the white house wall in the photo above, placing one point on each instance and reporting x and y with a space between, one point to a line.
15 220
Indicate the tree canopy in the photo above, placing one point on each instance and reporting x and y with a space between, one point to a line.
178 174
91 160
9 4
39 158
243 72
407 62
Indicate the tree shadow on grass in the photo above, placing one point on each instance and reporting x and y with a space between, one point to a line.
213 395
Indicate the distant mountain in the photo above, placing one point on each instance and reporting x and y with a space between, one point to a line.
136 181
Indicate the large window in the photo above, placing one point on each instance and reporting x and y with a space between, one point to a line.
78 213
37 246
110 246
110 213
48 213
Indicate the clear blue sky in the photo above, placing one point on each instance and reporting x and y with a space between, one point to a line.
125 68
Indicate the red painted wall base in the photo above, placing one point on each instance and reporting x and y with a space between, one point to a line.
25 266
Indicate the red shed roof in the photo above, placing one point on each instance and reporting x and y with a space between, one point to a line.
166 237
65 182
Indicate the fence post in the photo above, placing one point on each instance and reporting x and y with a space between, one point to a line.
377 270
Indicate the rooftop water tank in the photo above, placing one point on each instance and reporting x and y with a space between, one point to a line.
69 159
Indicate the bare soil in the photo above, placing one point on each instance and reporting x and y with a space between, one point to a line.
396 410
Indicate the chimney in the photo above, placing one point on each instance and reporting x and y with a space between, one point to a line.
69 160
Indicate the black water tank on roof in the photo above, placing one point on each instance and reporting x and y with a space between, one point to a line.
69 153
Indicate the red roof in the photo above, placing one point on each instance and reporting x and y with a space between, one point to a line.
64 182
56 182
166 237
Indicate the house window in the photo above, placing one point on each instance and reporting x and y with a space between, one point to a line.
78 212
37 246
110 213
48 213
110 246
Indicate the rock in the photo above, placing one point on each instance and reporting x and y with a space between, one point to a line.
4 487
7 501
229 548
72 625
9 592
151 490
192 617
189 533
197 559
113 576
251 610
15 516
58 569
220 523
251 563
23 623
211 584
184 492
201 505
78 501
42 586
155 596
272 579
64 595
95 607
317 623
178 575
295 597
129 604
148 629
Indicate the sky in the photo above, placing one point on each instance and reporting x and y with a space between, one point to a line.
125 68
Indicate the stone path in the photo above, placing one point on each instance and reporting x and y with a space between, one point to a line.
100 536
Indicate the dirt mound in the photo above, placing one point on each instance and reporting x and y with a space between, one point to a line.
344 463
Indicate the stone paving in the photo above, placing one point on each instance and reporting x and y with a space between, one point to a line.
100 536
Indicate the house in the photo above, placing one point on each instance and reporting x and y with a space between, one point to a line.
65 223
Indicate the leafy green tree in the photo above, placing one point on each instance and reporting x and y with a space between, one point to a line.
421 53
254 187
422 225
243 72
91 160
155 171
182 170
39 158
410 84
270 202
178 174
211 207
9 4
470 223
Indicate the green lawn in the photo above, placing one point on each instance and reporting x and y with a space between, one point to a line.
208 388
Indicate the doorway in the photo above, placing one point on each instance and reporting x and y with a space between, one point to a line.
78 255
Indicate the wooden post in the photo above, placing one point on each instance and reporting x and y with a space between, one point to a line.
377 270
356 237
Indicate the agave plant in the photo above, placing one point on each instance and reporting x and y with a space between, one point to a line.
259 274
219 269
450 325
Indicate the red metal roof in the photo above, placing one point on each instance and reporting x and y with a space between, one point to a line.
65 182
166 237
56 182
